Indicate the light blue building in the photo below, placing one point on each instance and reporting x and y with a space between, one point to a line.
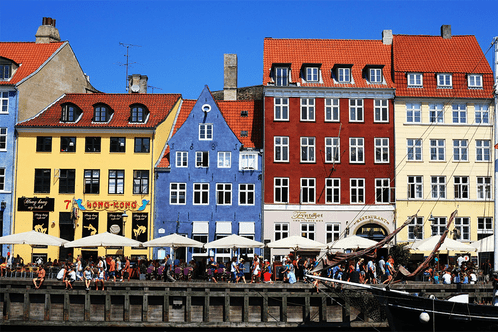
208 184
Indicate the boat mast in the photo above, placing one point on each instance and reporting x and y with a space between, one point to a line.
495 231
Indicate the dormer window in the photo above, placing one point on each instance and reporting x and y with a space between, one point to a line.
474 81
70 113
342 73
281 74
375 75
139 114
311 72
5 71
101 113
415 80
444 81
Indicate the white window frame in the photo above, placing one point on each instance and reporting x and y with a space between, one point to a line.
200 232
280 109
481 112
474 81
438 226
382 185
381 150
332 231
356 150
332 109
344 75
308 230
436 113
332 150
333 191
438 187
308 190
308 109
484 227
282 76
483 187
312 74
248 161
200 189
415 80
483 150
281 230
414 149
178 188
460 150
181 159
224 189
356 110
413 113
281 146
462 187
357 191
281 188
381 110
416 222
463 225
459 113
206 131
200 157
2 179
375 75
224 159
249 191
438 149
415 187
444 81
308 149
4 102
3 139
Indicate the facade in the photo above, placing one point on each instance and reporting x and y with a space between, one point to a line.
444 136
85 166
329 139
208 183
32 74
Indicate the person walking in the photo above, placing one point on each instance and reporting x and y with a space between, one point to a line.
168 266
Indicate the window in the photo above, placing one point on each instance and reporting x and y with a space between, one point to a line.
444 81
415 187
101 113
344 75
246 193
459 113
244 133
142 144
141 182
312 74
415 80
68 144
460 151
474 81
461 184
3 140
462 228
436 113
382 191
70 113
281 149
416 229
332 109
308 190
116 181
438 187
381 150
357 191
5 71
332 232
332 149
483 152
205 131
92 144
308 230
375 75
483 187
117 144
438 225
356 150
356 110
481 113
333 191
281 230
307 109
224 194
438 149
414 147
2 179
201 193
413 113
281 76
307 149
42 181
381 110
177 193
66 181
224 159
202 159
281 190
138 114
181 159
4 101
281 109
248 161
484 227
92 181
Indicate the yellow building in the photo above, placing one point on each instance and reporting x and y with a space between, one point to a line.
443 136
85 165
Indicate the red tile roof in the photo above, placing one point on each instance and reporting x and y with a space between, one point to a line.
159 106
458 55
29 57
328 52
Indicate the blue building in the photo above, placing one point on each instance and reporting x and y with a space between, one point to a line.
208 184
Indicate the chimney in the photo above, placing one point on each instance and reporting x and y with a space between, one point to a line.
446 31
387 37
47 32
230 77
137 83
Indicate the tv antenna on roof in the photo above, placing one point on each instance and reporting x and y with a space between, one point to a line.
127 64
153 87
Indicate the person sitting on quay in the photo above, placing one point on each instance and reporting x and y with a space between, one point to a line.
70 278
100 278
3 268
40 277
61 275
87 276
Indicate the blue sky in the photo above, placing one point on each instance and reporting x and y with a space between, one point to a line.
182 42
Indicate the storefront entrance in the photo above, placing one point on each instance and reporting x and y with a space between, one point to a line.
372 231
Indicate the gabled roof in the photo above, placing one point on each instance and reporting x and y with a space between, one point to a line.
328 53
158 105
28 55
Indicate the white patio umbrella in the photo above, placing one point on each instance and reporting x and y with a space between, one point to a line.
296 243
352 242
449 244
485 245
103 240
32 238
173 241
233 242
